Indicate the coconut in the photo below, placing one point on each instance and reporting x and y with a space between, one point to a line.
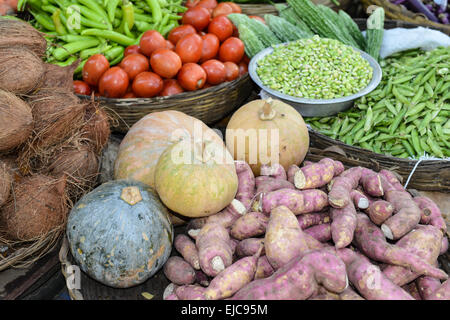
39 206
96 129
16 121
5 182
19 33
59 77
81 166
21 70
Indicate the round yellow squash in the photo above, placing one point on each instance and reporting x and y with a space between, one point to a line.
267 132
196 178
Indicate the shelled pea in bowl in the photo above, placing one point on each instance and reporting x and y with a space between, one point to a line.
317 76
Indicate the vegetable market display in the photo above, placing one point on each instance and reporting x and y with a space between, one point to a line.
407 116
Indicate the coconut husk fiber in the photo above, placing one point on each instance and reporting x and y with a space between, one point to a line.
21 70
59 77
5 182
16 121
96 128
37 205
21 34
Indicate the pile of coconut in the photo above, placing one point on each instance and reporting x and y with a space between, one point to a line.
50 144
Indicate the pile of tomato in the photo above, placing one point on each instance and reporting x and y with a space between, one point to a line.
205 50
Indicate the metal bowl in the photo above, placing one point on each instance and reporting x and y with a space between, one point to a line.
316 107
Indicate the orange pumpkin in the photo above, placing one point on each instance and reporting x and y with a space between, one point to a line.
196 178
267 132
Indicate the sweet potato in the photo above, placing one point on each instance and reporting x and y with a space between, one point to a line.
368 279
442 293
263 268
350 294
424 242
312 219
275 170
284 239
178 271
324 294
249 247
371 241
406 212
412 289
341 186
371 182
214 248
392 179
172 296
169 290
233 278
359 199
298 201
435 217
201 278
316 175
343 224
427 286
379 211
246 183
190 292
425 212
229 215
269 184
250 225
186 247
444 245
293 168
321 232
299 279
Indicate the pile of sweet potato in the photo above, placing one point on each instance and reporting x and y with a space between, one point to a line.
319 231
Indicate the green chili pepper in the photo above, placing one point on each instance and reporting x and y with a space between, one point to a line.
95 7
44 20
156 9
68 62
127 15
110 35
57 22
74 47
113 53
111 9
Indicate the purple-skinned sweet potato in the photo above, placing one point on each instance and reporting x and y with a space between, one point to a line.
169 291
246 183
284 239
320 232
293 168
359 199
298 201
263 268
233 278
406 216
190 292
249 247
427 286
435 215
201 278
442 293
350 294
392 179
379 211
444 245
312 219
229 215
316 175
412 289
424 242
269 184
343 224
370 240
250 225
178 271
299 279
275 170
340 187
214 248
186 247
371 183
424 210
368 279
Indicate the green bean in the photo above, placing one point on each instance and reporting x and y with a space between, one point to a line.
397 121
110 35
113 53
111 9
74 47
434 146
408 148
369 136
369 119
57 22
416 142
43 20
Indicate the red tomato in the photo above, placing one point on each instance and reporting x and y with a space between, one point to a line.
215 71
179 32
192 77
198 17
113 83
94 68
243 68
147 84
232 50
232 70
171 87
189 48
210 46
170 45
223 8
246 59
131 49
258 18
81 87
222 27
165 62
150 41
134 63
208 4
235 6
129 95
191 3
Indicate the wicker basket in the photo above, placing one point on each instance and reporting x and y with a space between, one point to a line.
208 105
430 175
399 12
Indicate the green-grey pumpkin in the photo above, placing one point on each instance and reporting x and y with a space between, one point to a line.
120 233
